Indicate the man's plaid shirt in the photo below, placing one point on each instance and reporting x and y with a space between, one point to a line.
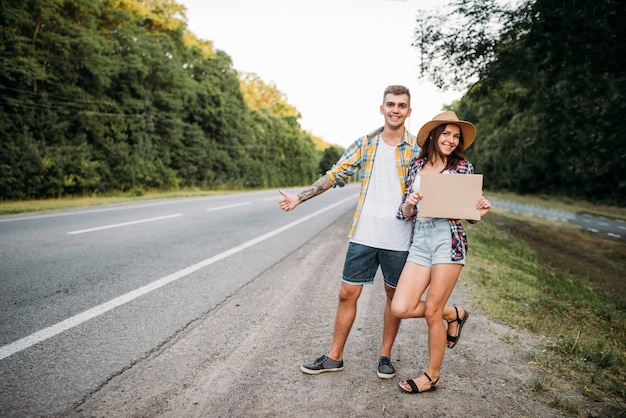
360 155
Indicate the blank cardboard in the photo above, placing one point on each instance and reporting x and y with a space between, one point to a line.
451 196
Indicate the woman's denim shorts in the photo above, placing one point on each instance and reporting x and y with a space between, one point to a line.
432 243
362 263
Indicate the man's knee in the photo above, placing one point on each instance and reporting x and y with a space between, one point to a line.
349 292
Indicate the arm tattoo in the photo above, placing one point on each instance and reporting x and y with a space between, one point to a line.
319 187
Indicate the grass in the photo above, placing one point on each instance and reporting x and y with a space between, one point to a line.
135 195
553 279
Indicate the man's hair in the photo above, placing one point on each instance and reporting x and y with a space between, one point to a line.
397 90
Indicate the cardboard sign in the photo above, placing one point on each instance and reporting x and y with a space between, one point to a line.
451 196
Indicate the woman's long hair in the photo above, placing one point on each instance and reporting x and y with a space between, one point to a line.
431 147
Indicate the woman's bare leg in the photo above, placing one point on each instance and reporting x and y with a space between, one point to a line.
443 278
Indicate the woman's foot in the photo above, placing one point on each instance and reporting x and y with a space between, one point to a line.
423 383
455 326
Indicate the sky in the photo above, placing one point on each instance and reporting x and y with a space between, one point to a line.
332 59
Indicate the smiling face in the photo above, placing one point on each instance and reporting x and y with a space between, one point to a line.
449 139
395 109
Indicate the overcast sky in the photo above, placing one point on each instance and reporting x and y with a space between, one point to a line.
331 58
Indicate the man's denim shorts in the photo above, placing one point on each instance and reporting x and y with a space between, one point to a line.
362 263
432 243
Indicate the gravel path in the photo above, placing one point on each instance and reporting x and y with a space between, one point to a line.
243 358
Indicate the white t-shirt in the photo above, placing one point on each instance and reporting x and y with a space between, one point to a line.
378 225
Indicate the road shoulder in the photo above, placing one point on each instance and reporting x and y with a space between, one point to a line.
243 358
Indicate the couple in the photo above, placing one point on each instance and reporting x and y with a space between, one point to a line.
390 161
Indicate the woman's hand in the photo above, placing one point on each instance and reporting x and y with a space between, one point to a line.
483 206
413 199
408 207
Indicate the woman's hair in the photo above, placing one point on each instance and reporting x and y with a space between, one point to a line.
431 147
397 90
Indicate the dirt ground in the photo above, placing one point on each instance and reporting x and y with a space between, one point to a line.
244 358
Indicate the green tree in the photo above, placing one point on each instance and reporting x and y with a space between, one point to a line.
545 86
117 95
329 157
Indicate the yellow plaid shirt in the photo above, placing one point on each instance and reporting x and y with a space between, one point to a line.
360 155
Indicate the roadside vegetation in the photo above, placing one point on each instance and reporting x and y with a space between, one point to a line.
46 205
553 280
120 95
540 82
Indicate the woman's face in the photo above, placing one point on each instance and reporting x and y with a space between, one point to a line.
449 139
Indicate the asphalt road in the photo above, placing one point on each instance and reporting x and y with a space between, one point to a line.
86 294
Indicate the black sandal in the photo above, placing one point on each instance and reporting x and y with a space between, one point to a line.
415 389
461 322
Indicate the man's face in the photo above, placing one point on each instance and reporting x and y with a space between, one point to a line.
395 109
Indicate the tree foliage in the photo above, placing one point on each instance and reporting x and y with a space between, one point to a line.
257 94
330 156
118 95
545 84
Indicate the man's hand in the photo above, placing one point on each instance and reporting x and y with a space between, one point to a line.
288 201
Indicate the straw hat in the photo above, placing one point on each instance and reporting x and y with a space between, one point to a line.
467 128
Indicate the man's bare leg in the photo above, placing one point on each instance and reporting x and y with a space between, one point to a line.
390 329
346 314
391 324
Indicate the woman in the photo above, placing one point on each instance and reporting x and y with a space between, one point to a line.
439 245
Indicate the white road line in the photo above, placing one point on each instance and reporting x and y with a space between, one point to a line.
236 205
51 331
140 221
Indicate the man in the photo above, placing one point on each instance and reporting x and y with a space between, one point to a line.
377 237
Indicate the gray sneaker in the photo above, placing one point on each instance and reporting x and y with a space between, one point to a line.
321 365
385 368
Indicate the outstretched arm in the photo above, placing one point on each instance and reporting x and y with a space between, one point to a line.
288 202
